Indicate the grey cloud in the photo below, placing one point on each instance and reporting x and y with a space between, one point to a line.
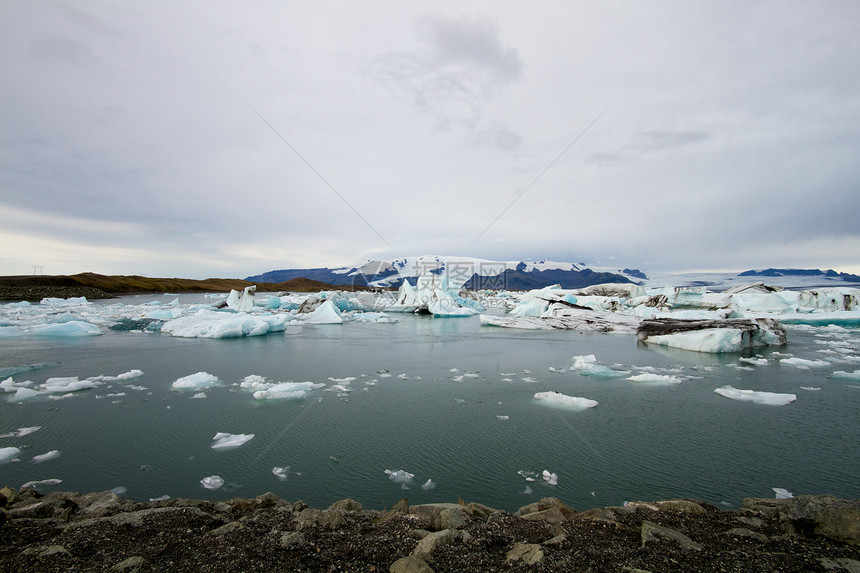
607 159
461 64
498 137
63 51
656 140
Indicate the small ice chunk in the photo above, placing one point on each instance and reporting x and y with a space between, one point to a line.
503 417
281 472
428 485
225 441
804 363
8 454
550 478
757 361
527 491
66 384
347 380
841 374
27 431
527 475
766 398
654 379
782 493
162 498
46 456
199 395
212 482
558 399
402 477
288 391
197 381
587 365
119 490
50 481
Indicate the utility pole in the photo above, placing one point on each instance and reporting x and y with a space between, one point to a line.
37 269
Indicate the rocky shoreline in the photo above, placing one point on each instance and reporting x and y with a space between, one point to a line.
64 531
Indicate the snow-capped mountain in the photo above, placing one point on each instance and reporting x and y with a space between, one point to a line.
473 273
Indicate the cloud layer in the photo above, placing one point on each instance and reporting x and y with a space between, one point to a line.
209 139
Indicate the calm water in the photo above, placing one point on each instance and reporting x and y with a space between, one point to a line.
640 442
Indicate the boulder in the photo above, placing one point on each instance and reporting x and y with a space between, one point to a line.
651 532
822 515
131 565
430 514
292 539
528 553
547 503
432 541
346 505
410 564
327 518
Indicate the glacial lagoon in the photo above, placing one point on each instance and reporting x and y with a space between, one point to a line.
441 399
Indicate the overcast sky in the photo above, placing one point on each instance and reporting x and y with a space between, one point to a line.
213 138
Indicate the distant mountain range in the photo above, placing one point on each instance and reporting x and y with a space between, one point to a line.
801 273
472 273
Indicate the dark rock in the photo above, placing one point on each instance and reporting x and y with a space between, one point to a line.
131 565
651 532
346 505
410 564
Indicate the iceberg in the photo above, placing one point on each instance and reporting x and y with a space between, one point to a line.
560 400
8 454
66 384
242 301
714 336
551 478
433 294
766 398
224 441
326 313
197 381
46 456
281 472
212 482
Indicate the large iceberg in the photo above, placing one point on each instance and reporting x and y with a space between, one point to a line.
433 294
715 336
218 324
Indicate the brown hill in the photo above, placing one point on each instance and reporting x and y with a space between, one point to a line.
92 285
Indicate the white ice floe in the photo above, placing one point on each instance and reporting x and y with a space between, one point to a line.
782 493
281 472
286 391
502 417
587 365
212 482
46 456
428 485
196 381
757 361
219 324
8 454
161 498
21 432
66 384
224 441
72 328
402 477
49 481
766 398
804 363
651 379
841 374
713 340
560 400
199 395
528 475
551 478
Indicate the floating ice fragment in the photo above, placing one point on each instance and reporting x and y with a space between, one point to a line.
162 498
803 363
50 481
527 491
346 380
67 384
197 381
503 417
810 388
758 361
587 365
225 441
529 476
529 379
782 493
402 477
550 478
654 379
288 390
8 454
199 395
119 490
46 456
558 399
841 374
21 432
428 485
281 473
766 398
212 482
